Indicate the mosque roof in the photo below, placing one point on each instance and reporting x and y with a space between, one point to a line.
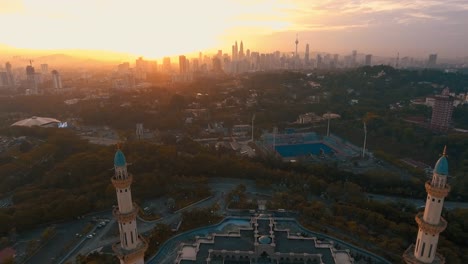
441 166
119 159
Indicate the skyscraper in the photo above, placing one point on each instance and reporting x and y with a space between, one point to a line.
432 60
306 56
166 64
319 61
241 51
236 51
44 69
442 111
131 248
3 79
11 80
353 58
368 60
142 67
182 64
56 80
430 222
31 79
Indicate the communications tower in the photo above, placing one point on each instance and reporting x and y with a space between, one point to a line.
297 42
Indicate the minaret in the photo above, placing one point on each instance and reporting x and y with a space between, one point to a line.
131 248
430 222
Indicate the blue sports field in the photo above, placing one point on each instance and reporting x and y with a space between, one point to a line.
298 150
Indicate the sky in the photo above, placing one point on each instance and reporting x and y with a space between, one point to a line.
157 28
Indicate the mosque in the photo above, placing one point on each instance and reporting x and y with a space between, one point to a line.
263 241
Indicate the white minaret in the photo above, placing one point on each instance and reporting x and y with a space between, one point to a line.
131 248
430 222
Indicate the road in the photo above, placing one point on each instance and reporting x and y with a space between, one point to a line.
65 234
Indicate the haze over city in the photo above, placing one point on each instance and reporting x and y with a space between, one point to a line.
233 132
154 29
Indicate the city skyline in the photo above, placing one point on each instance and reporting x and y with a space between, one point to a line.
155 29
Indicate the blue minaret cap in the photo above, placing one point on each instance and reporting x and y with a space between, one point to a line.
441 166
119 159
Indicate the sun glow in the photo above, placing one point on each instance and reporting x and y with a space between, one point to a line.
149 28
157 28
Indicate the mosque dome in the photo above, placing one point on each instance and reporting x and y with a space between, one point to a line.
264 240
441 166
119 159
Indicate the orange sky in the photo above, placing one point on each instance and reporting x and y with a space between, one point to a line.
156 28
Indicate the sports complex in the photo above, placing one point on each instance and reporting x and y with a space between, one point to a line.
291 146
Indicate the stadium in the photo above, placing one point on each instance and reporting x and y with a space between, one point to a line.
291 146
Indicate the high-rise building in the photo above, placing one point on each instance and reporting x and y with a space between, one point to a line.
236 51
166 64
306 56
353 58
142 67
319 61
247 53
183 67
44 69
11 80
131 248
432 60
31 79
3 79
56 80
368 60
430 222
195 65
217 65
442 111
241 51
123 68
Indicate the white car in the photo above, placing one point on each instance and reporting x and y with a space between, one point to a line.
89 236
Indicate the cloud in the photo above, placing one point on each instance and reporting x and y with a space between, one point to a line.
418 17
324 27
